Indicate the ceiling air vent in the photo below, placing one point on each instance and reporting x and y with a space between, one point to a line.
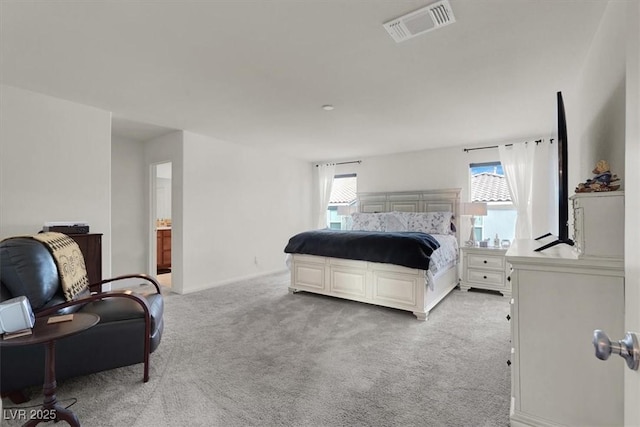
420 21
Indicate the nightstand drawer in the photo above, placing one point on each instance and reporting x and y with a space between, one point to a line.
484 276
486 261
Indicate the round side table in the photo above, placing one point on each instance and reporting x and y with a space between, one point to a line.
47 334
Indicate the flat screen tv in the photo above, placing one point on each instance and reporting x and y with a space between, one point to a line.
563 182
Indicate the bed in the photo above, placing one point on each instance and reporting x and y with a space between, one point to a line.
413 289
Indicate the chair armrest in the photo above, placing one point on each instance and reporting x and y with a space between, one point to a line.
145 277
97 297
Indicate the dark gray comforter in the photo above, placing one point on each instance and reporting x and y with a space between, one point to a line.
406 248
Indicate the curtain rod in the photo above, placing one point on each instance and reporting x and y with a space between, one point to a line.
538 141
344 163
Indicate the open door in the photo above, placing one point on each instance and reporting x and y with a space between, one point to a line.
161 222
632 207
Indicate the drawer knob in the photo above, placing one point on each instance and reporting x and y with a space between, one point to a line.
484 277
508 317
485 261
508 362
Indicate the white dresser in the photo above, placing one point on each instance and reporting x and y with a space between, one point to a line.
485 268
598 224
559 298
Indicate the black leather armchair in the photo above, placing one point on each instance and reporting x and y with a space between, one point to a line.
130 326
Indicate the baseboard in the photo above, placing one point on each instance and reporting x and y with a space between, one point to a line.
519 419
235 279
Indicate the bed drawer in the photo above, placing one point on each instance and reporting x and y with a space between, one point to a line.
397 290
309 276
348 282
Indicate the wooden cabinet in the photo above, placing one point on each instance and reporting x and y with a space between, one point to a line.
91 246
559 299
485 268
163 249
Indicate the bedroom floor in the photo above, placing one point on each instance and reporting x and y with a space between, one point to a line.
165 279
250 353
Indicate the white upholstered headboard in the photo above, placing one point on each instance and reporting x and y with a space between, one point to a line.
441 200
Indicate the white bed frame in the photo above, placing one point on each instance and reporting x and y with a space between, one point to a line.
386 285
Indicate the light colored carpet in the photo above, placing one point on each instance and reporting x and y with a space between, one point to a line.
251 354
164 279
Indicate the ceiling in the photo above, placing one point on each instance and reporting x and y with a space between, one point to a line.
256 72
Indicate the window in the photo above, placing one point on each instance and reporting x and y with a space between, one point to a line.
342 201
489 185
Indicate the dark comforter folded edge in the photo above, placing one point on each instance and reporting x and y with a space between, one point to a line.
407 249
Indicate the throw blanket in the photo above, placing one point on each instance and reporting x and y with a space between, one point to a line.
406 248
70 262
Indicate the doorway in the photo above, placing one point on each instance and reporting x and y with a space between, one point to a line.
161 222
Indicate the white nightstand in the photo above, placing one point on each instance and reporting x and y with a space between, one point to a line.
485 268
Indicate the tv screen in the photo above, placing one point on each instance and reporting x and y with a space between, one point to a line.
563 186
563 180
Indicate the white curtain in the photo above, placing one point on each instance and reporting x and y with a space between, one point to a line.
545 190
518 165
324 174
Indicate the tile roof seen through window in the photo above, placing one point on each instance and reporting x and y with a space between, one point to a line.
343 191
489 187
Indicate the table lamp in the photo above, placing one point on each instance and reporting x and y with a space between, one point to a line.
473 209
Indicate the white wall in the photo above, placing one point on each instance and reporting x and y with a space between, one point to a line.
596 106
163 170
163 197
128 214
163 191
241 205
421 170
55 165
441 168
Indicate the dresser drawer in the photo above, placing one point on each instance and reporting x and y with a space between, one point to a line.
485 261
486 276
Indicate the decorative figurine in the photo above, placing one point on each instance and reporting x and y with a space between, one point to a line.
603 180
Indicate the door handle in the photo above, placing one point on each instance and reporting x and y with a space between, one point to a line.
627 348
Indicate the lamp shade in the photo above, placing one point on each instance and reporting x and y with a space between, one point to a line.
473 209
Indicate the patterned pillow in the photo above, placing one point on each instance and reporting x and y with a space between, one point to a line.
426 222
430 222
368 221
396 221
